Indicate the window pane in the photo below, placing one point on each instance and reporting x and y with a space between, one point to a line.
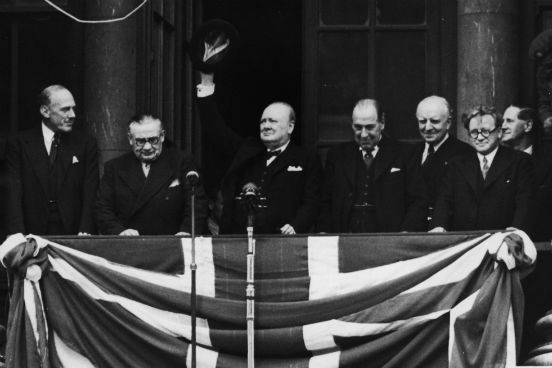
343 66
400 11
344 11
400 79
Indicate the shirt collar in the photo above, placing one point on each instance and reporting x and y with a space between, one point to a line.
47 133
529 150
436 146
281 149
489 156
374 150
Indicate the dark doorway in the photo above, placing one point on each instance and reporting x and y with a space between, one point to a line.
267 69
42 48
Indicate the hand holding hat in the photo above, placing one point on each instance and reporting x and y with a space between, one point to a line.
213 46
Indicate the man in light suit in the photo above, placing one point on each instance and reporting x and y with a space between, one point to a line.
145 192
438 146
287 176
492 188
371 183
52 172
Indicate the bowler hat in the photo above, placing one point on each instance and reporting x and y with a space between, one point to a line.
213 45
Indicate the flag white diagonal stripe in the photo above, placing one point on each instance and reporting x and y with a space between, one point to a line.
174 324
323 253
68 357
344 283
205 273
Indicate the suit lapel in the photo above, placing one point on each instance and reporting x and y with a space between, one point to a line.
161 171
36 150
65 155
132 175
469 168
282 161
500 163
350 163
384 158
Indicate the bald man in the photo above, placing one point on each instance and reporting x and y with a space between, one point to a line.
438 146
371 184
52 172
288 177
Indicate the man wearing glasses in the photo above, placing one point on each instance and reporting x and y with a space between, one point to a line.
489 189
145 192
438 146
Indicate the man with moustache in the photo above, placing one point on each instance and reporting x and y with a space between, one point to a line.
490 189
52 172
438 146
522 131
288 177
145 192
371 183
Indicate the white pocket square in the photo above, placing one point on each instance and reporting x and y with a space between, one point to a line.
75 159
294 168
395 169
174 183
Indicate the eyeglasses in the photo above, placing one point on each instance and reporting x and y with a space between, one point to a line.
474 133
140 142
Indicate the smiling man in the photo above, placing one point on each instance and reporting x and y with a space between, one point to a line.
433 116
522 131
145 192
371 184
490 189
288 177
52 172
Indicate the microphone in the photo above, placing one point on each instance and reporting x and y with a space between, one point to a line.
250 191
192 177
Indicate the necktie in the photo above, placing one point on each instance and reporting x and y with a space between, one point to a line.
145 168
430 152
54 149
270 156
485 168
274 153
368 159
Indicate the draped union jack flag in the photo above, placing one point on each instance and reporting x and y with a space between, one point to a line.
399 300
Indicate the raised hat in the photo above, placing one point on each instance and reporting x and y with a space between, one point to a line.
214 45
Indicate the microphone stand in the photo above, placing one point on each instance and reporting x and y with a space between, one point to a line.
193 268
250 289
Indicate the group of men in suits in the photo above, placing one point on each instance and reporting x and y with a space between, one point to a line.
53 179
370 184
376 184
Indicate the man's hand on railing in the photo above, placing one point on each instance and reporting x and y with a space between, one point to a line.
287 229
438 229
129 232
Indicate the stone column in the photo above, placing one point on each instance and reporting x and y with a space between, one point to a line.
110 75
487 55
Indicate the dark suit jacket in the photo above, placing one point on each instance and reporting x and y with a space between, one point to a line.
506 198
435 166
399 191
156 205
292 190
542 162
27 167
